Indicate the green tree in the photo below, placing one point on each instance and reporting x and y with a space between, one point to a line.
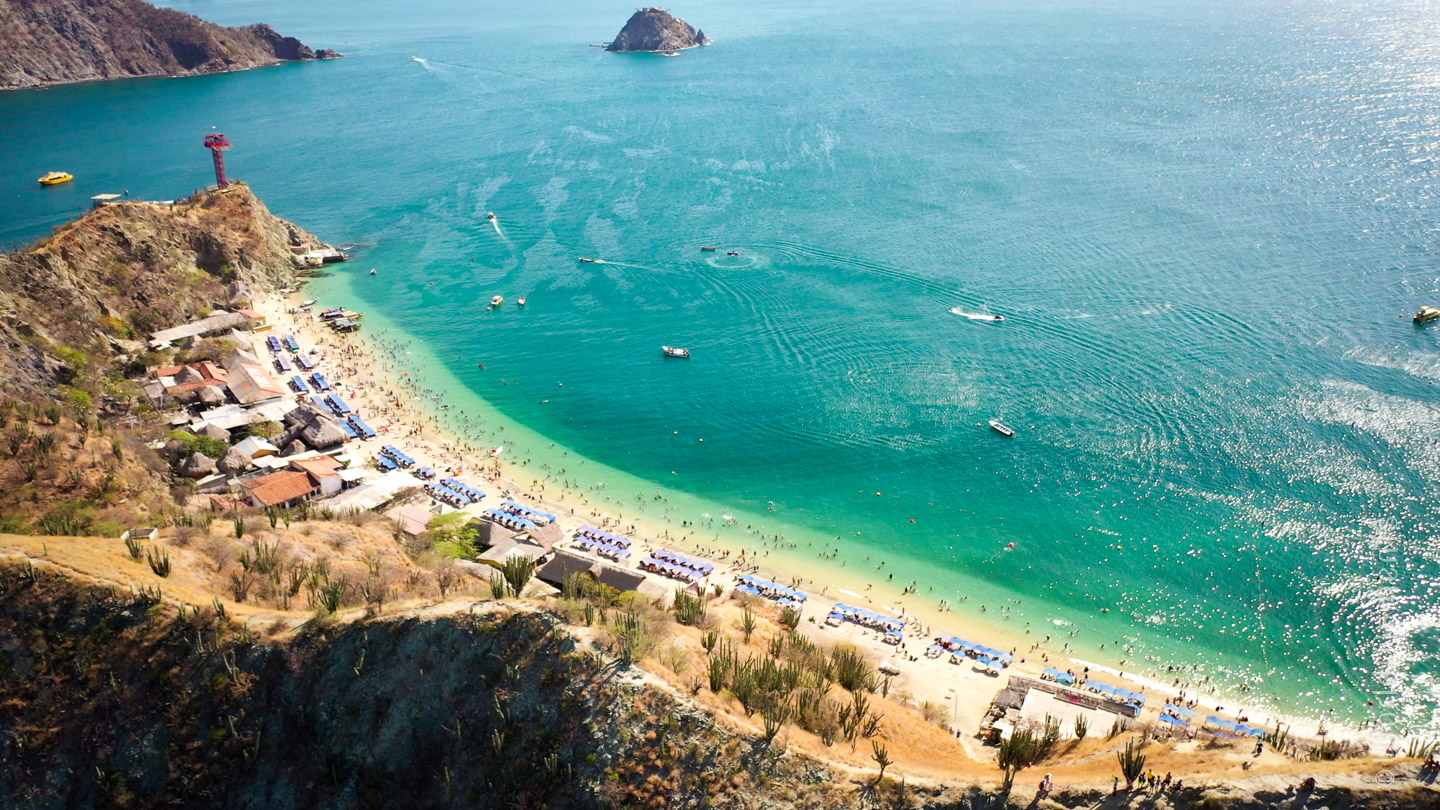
205 445
452 535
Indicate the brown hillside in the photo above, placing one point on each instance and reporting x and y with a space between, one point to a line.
46 42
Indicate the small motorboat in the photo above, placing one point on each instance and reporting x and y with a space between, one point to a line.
675 351
1001 428
521 302
709 248
372 271
497 300
497 451
732 253
309 302
490 216
56 178
588 260
1427 315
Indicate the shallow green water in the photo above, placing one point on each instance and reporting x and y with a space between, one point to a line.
1202 223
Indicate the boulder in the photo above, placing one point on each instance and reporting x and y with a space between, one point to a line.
198 465
234 462
654 29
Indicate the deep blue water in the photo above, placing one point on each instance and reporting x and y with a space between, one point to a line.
1205 223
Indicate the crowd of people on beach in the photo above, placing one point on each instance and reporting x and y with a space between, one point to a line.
381 371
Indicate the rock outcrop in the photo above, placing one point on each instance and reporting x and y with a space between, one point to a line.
45 42
656 30
123 271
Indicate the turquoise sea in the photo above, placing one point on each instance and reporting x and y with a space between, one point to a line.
1206 224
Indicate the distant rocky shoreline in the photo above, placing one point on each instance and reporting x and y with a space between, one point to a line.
655 30
50 42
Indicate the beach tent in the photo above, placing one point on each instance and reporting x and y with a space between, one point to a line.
1179 710
1174 721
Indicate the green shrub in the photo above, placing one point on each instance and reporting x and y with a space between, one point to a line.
204 445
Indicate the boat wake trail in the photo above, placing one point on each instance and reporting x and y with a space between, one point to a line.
975 316
626 264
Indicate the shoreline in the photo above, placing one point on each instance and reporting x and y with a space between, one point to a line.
366 356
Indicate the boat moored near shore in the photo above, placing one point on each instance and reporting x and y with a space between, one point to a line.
497 300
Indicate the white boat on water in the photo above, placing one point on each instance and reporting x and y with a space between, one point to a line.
521 302
309 302
675 351
1001 428
497 300
977 316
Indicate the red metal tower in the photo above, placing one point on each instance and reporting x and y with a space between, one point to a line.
217 143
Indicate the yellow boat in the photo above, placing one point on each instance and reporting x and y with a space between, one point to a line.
56 178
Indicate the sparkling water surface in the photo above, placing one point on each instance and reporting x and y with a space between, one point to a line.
1206 225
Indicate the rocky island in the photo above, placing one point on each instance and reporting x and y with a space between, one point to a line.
45 42
655 30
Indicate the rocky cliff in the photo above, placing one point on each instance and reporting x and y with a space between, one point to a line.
123 271
45 42
654 29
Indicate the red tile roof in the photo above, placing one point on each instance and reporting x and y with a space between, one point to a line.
280 487
319 466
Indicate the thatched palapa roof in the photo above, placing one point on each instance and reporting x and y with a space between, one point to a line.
198 465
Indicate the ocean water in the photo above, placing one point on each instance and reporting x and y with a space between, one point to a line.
1206 225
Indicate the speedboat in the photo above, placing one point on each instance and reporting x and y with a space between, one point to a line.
521 302
490 216
1427 315
675 351
1001 428
589 260
56 178
497 300
732 253
372 271
707 247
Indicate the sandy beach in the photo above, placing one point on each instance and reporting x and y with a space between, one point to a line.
372 373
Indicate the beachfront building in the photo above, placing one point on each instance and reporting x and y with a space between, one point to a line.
249 383
216 324
283 490
566 563
412 519
186 382
256 447
519 545
324 470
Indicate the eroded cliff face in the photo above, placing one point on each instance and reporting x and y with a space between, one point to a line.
44 42
100 284
654 29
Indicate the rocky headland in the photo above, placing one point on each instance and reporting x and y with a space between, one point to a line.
46 42
124 270
656 30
